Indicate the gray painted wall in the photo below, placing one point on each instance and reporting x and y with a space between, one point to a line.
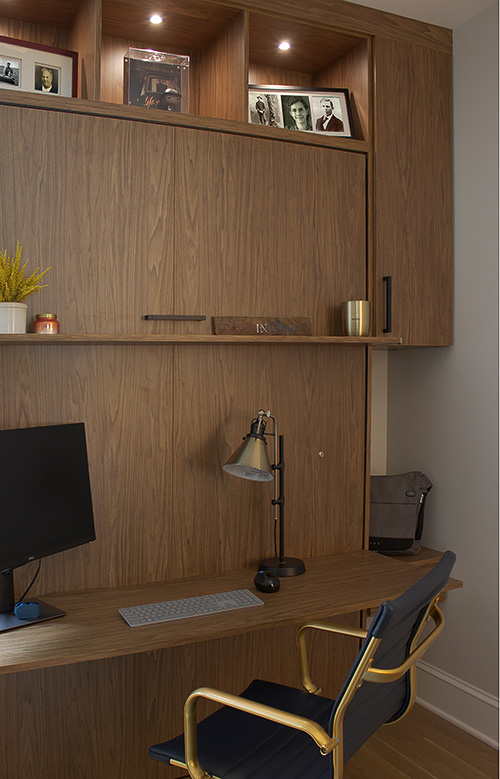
443 403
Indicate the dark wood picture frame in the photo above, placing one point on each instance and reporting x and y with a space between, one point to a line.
31 60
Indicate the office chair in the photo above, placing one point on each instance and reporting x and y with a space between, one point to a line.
272 731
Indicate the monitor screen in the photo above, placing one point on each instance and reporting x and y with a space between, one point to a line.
46 503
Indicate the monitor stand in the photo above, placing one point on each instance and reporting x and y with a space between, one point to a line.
8 620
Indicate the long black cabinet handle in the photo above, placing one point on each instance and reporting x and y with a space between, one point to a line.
388 303
190 317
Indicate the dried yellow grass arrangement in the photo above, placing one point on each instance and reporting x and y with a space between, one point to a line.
15 284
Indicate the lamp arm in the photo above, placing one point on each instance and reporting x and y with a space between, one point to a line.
279 485
280 500
278 507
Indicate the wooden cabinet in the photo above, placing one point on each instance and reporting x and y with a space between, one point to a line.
396 70
267 228
93 199
168 220
412 180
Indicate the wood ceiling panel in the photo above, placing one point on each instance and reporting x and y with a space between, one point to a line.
192 26
54 13
312 48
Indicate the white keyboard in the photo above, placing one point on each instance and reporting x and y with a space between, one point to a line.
166 611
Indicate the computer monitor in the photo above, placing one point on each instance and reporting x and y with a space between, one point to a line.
46 504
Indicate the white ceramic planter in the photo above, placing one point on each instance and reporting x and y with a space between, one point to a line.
13 317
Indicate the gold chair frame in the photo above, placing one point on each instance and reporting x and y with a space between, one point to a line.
365 672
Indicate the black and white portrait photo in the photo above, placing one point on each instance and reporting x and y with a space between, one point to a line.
264 108
297 112
10 69
327 114
47 79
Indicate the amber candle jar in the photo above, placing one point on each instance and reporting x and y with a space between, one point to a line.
46 323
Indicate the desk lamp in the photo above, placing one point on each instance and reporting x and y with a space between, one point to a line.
251 461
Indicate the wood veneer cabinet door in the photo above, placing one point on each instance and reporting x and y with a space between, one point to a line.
92 197
413 191
268 228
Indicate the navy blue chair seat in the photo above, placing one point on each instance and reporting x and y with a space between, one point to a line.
234 743
293 754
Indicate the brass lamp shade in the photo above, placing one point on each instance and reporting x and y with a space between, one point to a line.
250 461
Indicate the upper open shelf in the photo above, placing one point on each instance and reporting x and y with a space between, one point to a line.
229 47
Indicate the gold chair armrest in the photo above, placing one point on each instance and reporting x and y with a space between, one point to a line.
345 630
391 674
325 743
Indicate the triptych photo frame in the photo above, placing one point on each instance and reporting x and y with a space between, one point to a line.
325 111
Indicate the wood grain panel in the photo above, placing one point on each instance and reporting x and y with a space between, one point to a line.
123 397
223 73
192 25
265 74
352 72
311 48
113 51
93 200
318 398
268 229
163 507
357 19
85 38
413 197
53 13
196 20
29 30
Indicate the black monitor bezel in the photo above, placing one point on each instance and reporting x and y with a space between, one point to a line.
18 559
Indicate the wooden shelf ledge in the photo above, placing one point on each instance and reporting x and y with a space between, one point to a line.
31 339
70 105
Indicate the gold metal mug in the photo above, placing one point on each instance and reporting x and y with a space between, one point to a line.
356 317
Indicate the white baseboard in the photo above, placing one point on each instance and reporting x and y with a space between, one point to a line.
462 704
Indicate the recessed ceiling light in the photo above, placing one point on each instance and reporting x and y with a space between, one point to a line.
284 45
155 19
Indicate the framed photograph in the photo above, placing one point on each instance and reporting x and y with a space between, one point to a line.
32 67
156 79
324 111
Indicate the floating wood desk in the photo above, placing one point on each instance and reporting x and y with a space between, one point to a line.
93 629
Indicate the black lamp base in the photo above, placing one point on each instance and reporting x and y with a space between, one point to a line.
291 566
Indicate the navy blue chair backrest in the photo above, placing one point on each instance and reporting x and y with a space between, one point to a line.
395 624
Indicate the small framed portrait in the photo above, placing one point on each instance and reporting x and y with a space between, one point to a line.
32 67
265 108
325 111
10 71
47 78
